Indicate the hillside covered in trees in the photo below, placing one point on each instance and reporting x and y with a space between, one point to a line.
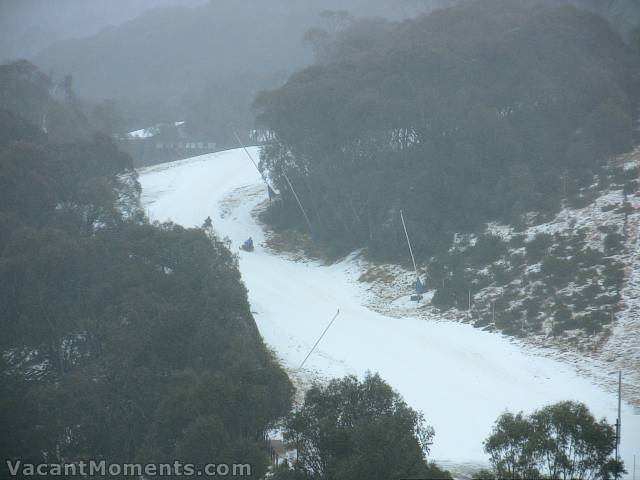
121 340
492 125
480 112
127 341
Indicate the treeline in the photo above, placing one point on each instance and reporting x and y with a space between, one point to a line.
204 64
358 430
362 430
484 111
562 440
52 105
121 340
222 109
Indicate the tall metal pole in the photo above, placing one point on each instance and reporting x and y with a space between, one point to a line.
318 341
264 179
299 203
269 186
618 423
415 269
248 154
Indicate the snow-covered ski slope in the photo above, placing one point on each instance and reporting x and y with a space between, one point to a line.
462 378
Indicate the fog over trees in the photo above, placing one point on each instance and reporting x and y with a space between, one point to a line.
468 115
130 340
167 60
166 52
28 26
164 60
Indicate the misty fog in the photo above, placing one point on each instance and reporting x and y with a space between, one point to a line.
320 239
28 26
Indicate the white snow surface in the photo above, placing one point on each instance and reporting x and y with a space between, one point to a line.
150 131
143 133
460 377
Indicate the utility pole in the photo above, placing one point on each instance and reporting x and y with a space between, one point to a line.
300 205
618 424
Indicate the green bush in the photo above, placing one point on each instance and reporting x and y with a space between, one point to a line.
613 244
536 249
558 271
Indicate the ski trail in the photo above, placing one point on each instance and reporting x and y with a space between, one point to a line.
460 377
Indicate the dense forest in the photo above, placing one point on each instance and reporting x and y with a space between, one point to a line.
122 340
357 430
51 104
128 340
485 111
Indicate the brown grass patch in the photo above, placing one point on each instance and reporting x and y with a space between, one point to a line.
377 274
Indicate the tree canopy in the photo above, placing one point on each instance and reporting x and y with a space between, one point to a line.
358 429
562 440
473 113
122 340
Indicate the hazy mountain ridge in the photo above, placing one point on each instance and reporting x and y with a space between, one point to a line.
166 52
29 26
624 15
174 62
